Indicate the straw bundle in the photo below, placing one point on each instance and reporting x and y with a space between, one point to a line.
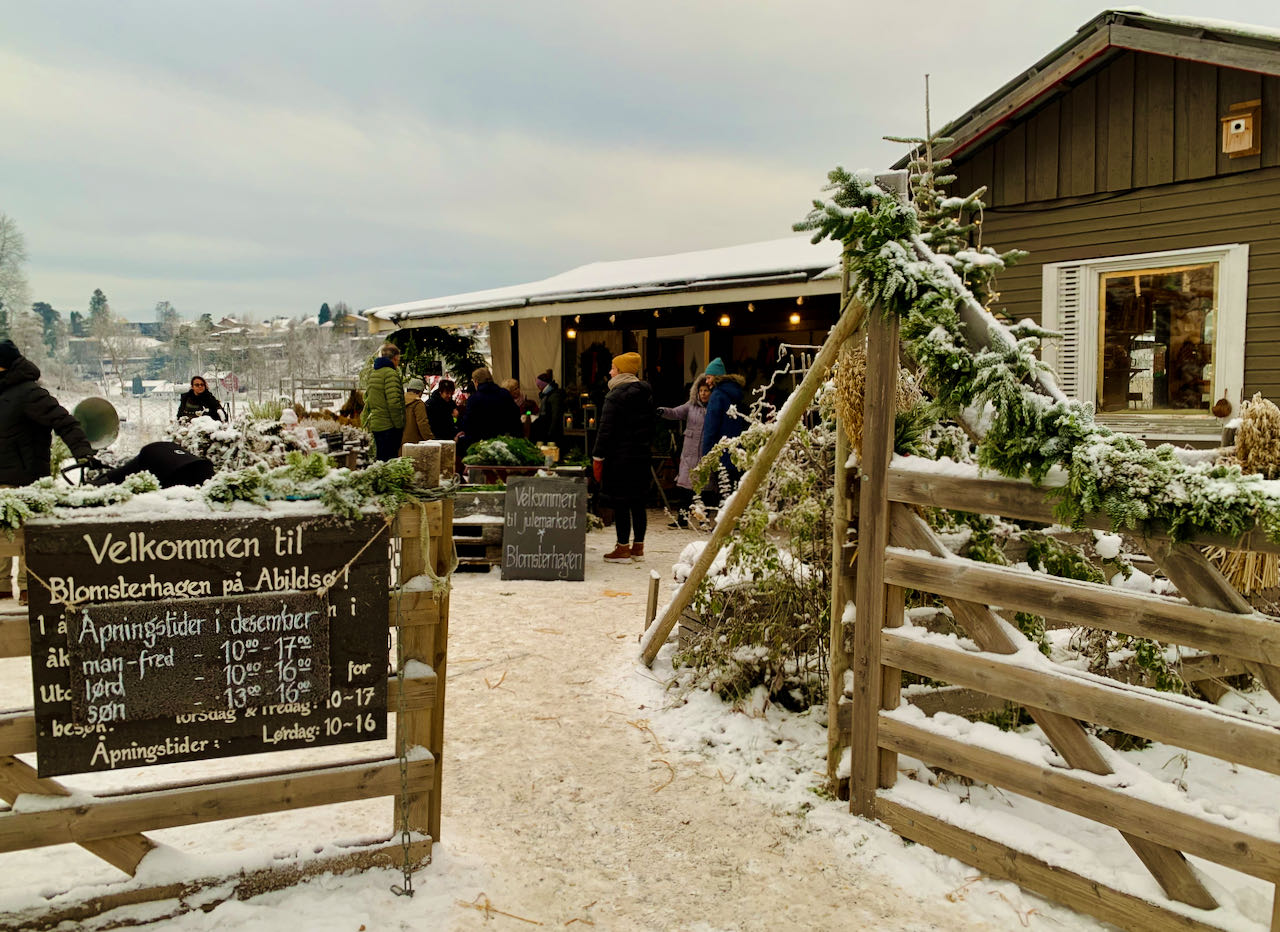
1257 451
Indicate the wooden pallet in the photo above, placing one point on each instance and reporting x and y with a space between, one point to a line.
477 555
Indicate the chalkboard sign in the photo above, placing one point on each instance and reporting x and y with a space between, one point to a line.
544 532
163 641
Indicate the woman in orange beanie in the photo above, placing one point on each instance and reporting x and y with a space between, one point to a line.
620 459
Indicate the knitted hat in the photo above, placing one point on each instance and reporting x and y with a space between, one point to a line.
627 362
415 384
544 379
8 353
715 367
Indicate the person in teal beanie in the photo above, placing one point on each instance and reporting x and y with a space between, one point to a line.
383 414
724 418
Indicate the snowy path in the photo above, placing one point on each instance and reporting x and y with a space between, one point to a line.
554 781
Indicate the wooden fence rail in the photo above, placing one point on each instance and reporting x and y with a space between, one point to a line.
897 552
112 825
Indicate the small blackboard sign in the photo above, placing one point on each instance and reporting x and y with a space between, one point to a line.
544 532
160 641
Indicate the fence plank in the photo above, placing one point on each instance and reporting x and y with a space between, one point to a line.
1251 637
1259 857
1054 883
124 852
1116 705
1018 499
207 802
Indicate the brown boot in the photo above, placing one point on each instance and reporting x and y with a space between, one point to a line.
637 551
619 554
22 597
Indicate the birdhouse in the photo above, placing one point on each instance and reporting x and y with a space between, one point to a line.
1241 130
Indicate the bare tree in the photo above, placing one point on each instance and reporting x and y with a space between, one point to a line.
14 296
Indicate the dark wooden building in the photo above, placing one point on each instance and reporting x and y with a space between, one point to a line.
1139 164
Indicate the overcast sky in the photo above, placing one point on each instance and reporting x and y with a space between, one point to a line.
259 158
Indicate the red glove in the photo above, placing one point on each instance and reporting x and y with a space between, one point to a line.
597 470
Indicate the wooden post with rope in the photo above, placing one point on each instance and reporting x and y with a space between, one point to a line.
851 319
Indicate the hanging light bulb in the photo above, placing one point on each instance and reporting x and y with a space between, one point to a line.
751 307
800 300
701 309
795 318
613 318
655 312
512 322
724 320
544 320
577 318
571 334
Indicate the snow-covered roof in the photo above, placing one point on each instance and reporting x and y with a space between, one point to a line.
1110 33
793 260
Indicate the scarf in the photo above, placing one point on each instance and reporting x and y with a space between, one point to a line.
622 378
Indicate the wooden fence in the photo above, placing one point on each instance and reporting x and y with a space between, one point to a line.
112 826
897 551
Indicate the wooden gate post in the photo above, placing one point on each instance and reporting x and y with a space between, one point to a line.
872 596
838 657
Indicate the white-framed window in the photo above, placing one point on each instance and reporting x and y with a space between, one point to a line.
1151 332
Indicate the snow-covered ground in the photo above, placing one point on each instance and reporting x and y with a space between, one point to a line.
579 790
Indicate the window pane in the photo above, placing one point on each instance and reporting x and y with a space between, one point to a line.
1156 339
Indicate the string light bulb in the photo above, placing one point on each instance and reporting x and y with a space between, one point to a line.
724 320
571 334
800 300
511 322
701 309
795 318
655 312
751 307
613 318
577 318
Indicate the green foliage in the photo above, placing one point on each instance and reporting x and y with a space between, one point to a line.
58 453
41 497
503 451
423 345
266 410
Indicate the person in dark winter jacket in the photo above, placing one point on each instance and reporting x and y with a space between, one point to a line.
383 414
727 392
693 412
491 412
199 402
620 459
28 417
549 427
440 411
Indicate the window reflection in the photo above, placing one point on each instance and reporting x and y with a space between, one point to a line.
1157 337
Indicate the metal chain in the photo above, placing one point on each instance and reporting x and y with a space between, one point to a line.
406 867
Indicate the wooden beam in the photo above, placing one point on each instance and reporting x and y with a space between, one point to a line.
1253 636
1197 727
290 870
1118 808
838 654
658 633
109 816
15 634
124 851
1192 48
1056 884
873 605
1020 499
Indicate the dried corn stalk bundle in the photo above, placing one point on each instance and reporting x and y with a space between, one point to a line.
850 377
1257 451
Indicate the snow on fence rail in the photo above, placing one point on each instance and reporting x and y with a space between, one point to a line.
112 826
896 551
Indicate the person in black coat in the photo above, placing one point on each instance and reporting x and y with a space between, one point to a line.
620 459
491 412
549 427
440 409
199 401
28 417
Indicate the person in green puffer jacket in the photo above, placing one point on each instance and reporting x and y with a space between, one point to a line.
383 414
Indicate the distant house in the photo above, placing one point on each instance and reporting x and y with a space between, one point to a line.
1139 163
